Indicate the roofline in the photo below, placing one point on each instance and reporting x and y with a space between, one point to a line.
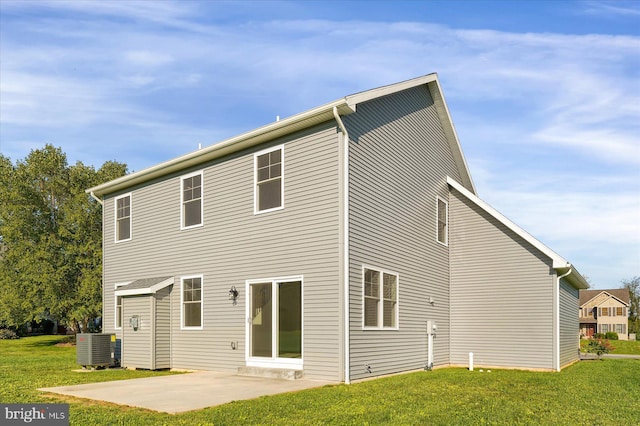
303 120
145 290
610 295
559 263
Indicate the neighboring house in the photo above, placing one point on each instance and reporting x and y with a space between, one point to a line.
323 243
602 311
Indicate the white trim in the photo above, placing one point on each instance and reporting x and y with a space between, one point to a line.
182 178
446 219
255 179
186 277
558 262
274 361
344 162
115 217
303 120
115 307
380 325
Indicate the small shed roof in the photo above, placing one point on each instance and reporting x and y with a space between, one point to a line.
143 286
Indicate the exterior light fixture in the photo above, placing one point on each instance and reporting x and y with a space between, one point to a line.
233 294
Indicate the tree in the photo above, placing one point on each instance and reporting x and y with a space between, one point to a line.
633 285
51 230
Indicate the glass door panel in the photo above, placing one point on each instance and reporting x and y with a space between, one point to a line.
261 320
289 320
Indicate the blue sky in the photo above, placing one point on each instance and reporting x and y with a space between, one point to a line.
545 95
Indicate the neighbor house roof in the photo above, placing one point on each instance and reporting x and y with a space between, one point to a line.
621 294
143 286
303 120
559 263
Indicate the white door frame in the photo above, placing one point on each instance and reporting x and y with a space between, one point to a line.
274 361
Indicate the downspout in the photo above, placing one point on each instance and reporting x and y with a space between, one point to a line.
345 241
558 315
96 198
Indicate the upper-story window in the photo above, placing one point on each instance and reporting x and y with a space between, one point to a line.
380 299
191 200
442 221
269 180
123 217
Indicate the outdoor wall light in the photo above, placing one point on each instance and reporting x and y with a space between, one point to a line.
233 294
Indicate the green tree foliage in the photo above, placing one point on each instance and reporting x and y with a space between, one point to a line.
50 230
633 285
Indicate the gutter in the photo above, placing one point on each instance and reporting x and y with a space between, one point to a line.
96 198
345 242
557 309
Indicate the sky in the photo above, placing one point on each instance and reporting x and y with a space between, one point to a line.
544 95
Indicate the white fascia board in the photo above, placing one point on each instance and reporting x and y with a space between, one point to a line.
265 133
147 290
559 263
435 89
367 95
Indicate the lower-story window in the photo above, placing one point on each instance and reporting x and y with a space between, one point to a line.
380 304
621 328
604 328
191 306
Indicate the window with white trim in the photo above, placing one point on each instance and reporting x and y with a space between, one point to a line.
191 306
380 298
122 206
269 180
118 312
442 220
191 200
621 328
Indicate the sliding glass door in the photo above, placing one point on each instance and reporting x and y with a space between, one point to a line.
275 323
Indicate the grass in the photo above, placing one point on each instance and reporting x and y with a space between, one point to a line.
628 347
590 392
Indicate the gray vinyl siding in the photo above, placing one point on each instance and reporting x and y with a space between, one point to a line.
502 293
399 159
136 345
234 245
162 327
569 323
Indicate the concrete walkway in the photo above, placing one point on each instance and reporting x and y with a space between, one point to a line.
184 392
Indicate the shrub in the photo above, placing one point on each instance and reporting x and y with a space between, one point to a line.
6 334
611 335
598 335
598 347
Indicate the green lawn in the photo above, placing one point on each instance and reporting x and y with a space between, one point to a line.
450 396
629 347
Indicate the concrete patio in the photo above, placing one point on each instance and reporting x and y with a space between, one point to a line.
185 392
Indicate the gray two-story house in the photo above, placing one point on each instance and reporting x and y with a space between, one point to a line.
324 243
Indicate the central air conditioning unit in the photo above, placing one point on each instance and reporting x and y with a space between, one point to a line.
95 349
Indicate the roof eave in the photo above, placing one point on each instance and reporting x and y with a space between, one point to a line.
246 140
558 263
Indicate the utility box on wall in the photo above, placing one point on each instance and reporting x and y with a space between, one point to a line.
95 349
